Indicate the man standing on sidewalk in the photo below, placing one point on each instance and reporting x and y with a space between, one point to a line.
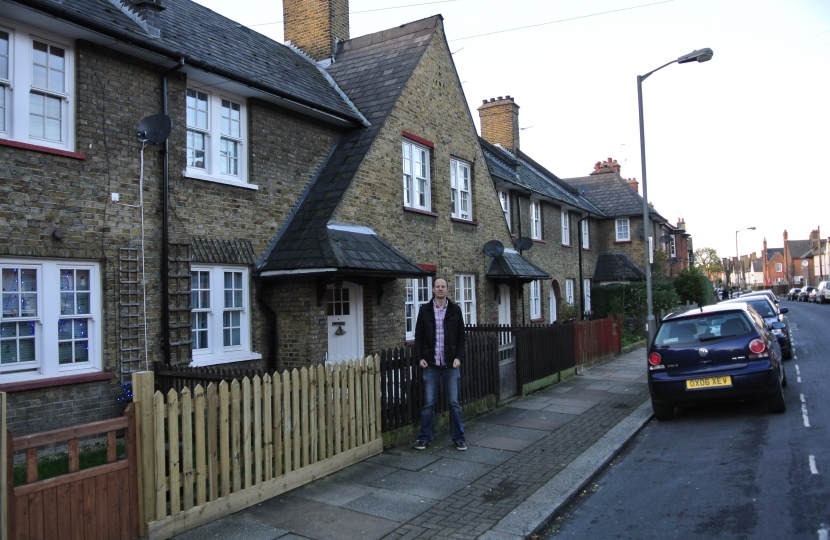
440 345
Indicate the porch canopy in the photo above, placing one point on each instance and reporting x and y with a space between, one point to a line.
510 266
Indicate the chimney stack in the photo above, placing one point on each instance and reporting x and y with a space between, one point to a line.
681 224
500 122
146 13
608 166
316 26
635 185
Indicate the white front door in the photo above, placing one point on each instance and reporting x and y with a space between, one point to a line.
504 304
344 308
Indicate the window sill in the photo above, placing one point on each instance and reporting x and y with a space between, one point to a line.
465 221
195 175
409 342
36 384
567 246
417 211
227 359
44 149
538 319
623 242
539 241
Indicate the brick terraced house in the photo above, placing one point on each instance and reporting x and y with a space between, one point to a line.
305 199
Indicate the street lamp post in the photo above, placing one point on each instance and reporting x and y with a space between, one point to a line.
737 256
700 55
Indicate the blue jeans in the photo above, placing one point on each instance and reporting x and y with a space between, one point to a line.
452 385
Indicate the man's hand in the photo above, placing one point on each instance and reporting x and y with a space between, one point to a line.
423 363
456 363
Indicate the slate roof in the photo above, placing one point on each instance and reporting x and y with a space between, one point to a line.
757 265
511 266
613 196
372 70
800 249
772 251
212 42
520 170
617 266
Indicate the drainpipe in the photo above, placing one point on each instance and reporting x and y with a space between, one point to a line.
165 229
581 279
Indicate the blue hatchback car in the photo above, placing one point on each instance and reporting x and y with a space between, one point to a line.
723 352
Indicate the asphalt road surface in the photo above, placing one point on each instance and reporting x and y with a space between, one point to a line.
729 471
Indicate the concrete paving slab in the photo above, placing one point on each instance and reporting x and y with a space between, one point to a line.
364 472
599 387
411 460
234 528
392 505
566 409
421 484
534 406
541 425
332 492
479 454
467 471
516 432
504 443
574 401
334 523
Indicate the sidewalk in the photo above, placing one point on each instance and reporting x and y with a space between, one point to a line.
525 461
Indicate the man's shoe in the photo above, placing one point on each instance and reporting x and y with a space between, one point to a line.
460 445
421 445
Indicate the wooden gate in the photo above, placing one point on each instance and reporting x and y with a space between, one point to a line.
96 503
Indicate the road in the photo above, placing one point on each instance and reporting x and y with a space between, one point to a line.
730 471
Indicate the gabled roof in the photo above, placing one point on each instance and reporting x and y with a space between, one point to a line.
511 266
799 249
757 265
617 266
519 170
372 70
212 43
613 196
771 252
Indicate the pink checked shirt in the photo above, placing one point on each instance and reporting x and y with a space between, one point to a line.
439 333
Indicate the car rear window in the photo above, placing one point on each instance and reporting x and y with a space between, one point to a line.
763 308
707 327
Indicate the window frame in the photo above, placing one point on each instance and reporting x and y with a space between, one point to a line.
19 86
465 296
566 228
586 294
48 317
569 291
408 148
504 200
536 299
535 219
456 194
586 234
779 267
214 136
672 246
626 236
424 284
216 352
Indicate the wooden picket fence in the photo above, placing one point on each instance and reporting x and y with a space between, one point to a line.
241 443
595 340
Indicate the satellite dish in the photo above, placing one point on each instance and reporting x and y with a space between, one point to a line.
524 243
583 190
155 129
493 248
639 231
665 239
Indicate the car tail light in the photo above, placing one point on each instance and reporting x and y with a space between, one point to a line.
654 359
757 348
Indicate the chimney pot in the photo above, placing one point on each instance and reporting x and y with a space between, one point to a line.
483 101
500 98
492 99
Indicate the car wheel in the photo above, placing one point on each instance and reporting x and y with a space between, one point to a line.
789 354
661 412
776 403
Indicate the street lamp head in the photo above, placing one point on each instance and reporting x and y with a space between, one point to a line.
700 55
751 229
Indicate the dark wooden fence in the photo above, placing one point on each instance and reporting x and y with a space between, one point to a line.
594 340
401 388
543 351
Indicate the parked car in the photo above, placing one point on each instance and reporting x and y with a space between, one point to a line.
717 353
769 294
772 313
804 295
793 294
821 291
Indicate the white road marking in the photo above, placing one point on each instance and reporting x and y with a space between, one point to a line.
813 468
822 533
804 411
797 371
798 379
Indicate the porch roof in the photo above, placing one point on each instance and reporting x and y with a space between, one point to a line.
511 266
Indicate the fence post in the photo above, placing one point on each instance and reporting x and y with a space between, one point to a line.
4 468
143 383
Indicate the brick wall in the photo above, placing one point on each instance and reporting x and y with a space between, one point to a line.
500 122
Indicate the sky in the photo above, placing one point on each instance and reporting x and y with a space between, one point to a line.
737 142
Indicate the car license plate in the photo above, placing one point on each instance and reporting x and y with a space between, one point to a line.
710 382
